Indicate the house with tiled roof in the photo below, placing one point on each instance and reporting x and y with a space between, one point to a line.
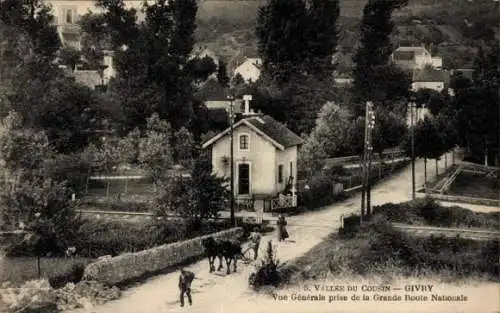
430 78
265 158
249 69
412 58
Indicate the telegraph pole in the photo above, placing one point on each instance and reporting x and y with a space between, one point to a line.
369 148
412 106
231 123
363 165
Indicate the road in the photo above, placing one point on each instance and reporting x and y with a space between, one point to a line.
218 293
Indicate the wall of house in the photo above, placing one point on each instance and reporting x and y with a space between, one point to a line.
421 60
285 157
248 71
261 156
437 62
438 86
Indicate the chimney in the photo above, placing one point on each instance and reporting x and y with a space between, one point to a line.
247 99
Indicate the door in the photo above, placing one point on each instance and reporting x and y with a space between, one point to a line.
244 179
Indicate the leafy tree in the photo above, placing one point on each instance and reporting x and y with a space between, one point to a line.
35 19
374 78
155 153
200 196
69 57
237 80
107 158
45 209
297 37
68 112
184 147
201 69
222 76
329 138
95 38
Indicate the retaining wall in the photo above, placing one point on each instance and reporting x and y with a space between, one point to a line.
129 266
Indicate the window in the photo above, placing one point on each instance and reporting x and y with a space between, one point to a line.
244 142
280 173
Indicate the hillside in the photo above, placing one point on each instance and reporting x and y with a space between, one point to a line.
446 27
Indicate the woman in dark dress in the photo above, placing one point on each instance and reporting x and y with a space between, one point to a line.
282 232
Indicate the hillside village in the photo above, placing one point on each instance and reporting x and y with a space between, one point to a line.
349 139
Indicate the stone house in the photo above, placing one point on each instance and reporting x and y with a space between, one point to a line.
412 58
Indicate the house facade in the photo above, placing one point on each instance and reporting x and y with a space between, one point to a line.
249 69
412 58
265 156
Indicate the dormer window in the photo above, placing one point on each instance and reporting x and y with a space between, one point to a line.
244 142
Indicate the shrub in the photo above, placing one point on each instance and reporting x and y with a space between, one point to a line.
73 276
269 271
351 226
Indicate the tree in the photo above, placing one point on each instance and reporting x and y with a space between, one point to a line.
184 147
374 78
201 195
69 57
329 138
66 111
237 80
155 153
297 37
152 61
222 76
36 20
429 142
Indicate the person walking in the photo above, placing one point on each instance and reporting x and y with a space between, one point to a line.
185 280
254 243
282 232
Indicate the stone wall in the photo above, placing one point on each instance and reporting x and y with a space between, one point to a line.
129 266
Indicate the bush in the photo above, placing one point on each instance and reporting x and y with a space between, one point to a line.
351 226
268 272
73 276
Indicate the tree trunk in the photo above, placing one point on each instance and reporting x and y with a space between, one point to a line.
380 166
453 156
425 172
126 186
445 161
38 265
437 170
107 187
87 182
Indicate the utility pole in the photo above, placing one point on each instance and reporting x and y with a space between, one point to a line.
412 106
363 166
369 148
231 123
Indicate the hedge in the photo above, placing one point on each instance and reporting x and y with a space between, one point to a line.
129 266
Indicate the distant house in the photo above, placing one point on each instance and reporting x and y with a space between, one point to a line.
67 14
412 58
265 157
430 79
92 77
249 69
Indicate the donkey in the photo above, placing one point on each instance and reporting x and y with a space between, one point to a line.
213 249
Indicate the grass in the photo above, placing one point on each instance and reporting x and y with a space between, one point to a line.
17 270
428 212
380 251
475 185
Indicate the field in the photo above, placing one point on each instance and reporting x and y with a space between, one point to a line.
472 185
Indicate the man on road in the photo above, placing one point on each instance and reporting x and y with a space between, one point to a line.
254 243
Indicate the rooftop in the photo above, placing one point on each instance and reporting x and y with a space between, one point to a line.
431 75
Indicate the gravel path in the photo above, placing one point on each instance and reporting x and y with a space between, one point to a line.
220 293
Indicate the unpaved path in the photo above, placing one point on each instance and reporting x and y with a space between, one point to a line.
220 293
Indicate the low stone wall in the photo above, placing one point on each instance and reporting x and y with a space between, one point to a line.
130 266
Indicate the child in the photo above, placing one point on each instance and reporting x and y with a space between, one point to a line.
185 280
282 232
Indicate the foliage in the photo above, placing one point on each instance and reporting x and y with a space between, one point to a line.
222 76
184 147
45 209
155 153
69 56
201 195
329 137
269 270
153 61
68 112
94 39
429 141
297 37
35 19
374 78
